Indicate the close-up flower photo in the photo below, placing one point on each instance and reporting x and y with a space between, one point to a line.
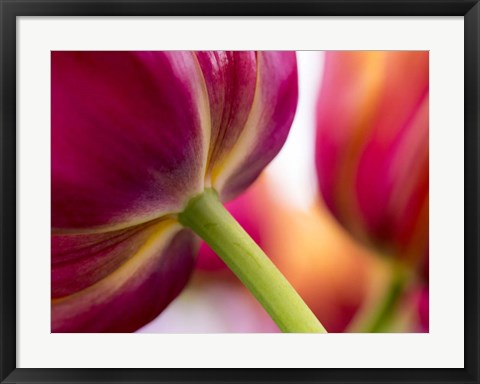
239 191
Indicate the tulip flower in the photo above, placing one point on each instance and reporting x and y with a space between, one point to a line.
372 149
145 145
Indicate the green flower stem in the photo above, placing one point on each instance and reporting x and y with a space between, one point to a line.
209 219
385 312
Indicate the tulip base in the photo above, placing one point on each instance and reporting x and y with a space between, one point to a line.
209 219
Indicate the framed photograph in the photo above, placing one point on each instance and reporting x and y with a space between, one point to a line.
223 191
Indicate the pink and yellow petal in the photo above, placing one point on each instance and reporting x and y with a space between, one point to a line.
81 260
267 126
230 79
134 293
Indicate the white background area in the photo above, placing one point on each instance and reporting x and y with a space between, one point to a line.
443 347
293 169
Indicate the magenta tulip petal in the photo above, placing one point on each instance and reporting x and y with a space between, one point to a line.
267 127
79 261
128 136
134 293
230 78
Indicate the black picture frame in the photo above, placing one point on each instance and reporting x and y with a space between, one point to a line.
10 10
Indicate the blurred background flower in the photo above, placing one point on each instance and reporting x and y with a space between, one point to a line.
372 159
372 148
349 186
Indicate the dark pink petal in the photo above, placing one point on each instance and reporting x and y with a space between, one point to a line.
128 136
230 78
133 293
267 126
79 261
